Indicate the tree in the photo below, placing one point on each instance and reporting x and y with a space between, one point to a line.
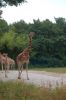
20 27
3 27
60 20
10 2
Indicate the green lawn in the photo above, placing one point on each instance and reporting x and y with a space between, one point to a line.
56 70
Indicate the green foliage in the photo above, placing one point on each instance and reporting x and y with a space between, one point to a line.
11 40
21 41
48 45
8 39
3 26
20 27
10 2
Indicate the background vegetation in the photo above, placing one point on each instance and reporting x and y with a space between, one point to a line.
48 46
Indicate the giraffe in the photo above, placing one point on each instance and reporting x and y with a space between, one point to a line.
23 57
4 63
11 62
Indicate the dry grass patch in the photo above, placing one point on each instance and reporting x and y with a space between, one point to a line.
20 91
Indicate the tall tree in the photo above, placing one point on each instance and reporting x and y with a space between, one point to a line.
21 27
3 27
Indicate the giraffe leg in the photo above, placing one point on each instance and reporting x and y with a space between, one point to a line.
2 67
8 67
13 67
19 73
5 71
27 71
21 68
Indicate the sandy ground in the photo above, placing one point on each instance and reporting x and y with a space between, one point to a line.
38 78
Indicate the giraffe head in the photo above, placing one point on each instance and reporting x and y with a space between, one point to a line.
31 34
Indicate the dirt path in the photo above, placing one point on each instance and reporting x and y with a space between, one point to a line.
37 77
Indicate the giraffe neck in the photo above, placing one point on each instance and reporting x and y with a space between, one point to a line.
30 43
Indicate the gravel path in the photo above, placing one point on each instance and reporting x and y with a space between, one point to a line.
39 78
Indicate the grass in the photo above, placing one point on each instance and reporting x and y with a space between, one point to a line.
21 91
56 70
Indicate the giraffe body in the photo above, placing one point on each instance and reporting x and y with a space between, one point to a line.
11 63
6 62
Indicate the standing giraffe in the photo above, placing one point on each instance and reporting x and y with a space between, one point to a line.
11 62
4 63
23 57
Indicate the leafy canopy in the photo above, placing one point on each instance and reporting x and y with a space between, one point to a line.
10 2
